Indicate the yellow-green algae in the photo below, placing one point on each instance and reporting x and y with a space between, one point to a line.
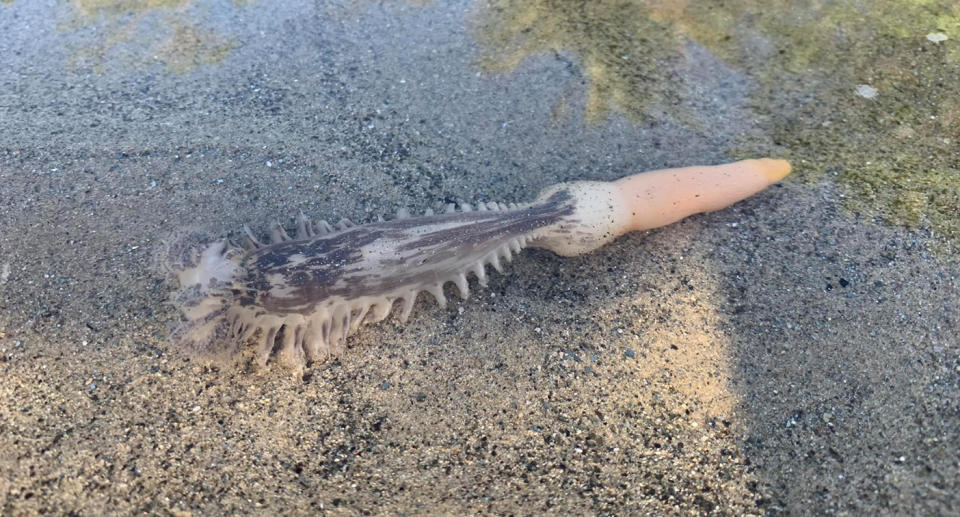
624 54
895 155
91 8
190 46
163 30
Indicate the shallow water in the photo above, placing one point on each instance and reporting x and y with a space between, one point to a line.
793 354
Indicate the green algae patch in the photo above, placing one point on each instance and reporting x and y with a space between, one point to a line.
91 8
861 94
872 102
140 33
895 156
626 57
930 198
189 46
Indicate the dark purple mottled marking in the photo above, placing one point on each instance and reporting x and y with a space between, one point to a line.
326 271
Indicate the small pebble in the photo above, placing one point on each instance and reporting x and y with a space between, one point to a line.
866 91
630 353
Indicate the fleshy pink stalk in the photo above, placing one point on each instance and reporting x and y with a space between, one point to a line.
659 198
607 210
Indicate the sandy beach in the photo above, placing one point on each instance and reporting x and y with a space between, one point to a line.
795 354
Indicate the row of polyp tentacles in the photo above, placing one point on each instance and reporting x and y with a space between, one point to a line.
321 333
307 229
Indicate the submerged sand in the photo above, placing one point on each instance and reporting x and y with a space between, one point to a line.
779 357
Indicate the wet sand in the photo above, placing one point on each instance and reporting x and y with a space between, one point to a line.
782 356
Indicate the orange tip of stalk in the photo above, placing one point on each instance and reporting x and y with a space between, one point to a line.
772 169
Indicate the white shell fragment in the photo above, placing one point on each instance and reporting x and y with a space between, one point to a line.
866 91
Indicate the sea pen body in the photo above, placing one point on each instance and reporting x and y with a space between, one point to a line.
301 297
